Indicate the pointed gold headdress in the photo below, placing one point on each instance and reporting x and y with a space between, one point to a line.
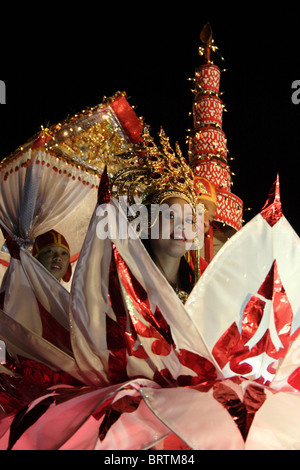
154 174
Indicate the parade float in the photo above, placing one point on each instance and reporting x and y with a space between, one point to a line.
116 361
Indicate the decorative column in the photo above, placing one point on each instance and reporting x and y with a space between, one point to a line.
208 145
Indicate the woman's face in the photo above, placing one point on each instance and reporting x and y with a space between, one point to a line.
175 228
55 259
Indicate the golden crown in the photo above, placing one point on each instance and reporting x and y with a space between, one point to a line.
154 174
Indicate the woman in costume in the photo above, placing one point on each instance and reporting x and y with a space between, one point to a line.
173 228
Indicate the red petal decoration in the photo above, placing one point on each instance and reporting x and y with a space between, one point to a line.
164 378
241 412
294 379
160 348
205 370
135 350
33 378
232 346
53 331
272 211
115 330
224 350
253 314
156 326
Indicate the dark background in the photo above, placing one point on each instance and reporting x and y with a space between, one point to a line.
58 59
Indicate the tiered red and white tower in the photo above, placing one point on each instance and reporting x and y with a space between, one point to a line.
208 143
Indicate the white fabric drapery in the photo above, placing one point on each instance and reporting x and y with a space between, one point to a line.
38 191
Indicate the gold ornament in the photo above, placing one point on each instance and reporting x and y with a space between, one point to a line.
154 174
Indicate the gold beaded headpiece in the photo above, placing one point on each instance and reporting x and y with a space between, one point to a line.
154 174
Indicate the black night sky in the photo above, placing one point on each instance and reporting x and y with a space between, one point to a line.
56 62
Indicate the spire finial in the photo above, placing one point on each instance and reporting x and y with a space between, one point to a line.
206 38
